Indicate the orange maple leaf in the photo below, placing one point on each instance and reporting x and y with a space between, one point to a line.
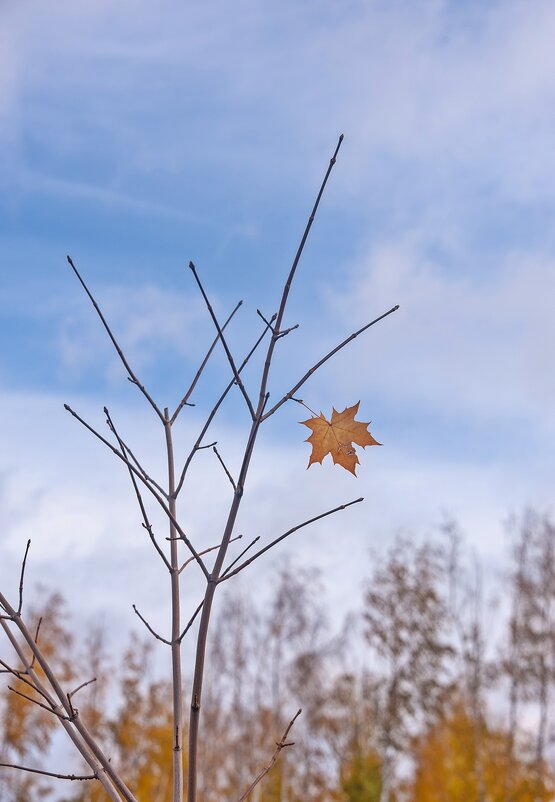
336 437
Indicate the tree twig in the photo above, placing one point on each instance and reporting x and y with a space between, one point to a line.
187 395
282 744
79 735
39 624
191 621
151 489
49 773
286 534
222 463
223 341
36 702
126 450
146 522
22 577
236 560
319 364
150 629
78 688
205 551
132 377
214 410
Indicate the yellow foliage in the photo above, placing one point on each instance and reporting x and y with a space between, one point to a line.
459 761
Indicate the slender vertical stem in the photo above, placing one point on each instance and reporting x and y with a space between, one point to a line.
177 698
67 725
194 720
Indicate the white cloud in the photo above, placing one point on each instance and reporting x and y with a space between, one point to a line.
474 345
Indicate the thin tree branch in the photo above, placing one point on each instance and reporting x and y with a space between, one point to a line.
22 677
196 690
33 657
279 746
285 332
222 463
152 631
236 560
191 621
205 551
187 395
126 450
22 577
214 410
78 734
50 773
223 341
36 702
78 688
132 377
286 534
289 280
145 483
331 353
260 315
146 522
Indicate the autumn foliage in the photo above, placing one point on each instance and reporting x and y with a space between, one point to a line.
406 703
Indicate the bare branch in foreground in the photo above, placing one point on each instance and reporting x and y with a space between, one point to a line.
36 639
22 577
113 785
191 621
49 773
286 534
126 450
223 341
215 409
146 522
151 489
242 554
289 281
36 702
152 631
279 746
78 688
184 401
206 551
222 463
319 364
132 377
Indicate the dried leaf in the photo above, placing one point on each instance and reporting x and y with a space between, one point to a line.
336 437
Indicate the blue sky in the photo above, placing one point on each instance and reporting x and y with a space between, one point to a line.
137 136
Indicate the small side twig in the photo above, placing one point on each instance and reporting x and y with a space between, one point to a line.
22 577
136 473
150 629
282 744
36 702
146 522
132 377
324 359
185 400
205 551
49 773
127 451
222 463
286 534
214 410
223 341
36 639
75 690
236 560
191 621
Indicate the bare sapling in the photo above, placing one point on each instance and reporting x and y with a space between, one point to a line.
176 551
